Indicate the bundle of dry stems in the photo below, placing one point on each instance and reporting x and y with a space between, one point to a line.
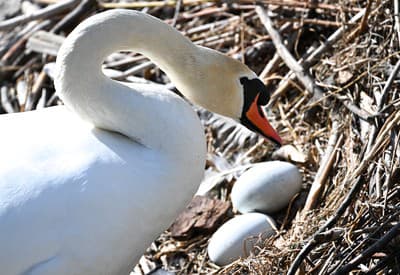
333 70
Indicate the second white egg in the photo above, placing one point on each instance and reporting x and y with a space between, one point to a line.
238 236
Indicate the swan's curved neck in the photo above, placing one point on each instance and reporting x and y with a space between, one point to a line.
106 103
87 46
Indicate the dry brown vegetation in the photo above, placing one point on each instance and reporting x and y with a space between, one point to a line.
334 84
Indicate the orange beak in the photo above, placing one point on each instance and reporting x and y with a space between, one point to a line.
260 123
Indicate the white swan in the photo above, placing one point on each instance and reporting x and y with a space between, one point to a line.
88 197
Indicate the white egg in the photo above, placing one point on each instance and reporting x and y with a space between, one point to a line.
238 236
267 187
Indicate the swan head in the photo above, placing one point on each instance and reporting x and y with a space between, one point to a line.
227 87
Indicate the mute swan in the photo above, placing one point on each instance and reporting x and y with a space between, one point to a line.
88 196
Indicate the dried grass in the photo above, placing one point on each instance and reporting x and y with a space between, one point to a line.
349 222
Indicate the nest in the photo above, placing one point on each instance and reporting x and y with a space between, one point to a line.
333 71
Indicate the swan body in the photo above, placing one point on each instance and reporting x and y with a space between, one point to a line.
85 188
86 201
